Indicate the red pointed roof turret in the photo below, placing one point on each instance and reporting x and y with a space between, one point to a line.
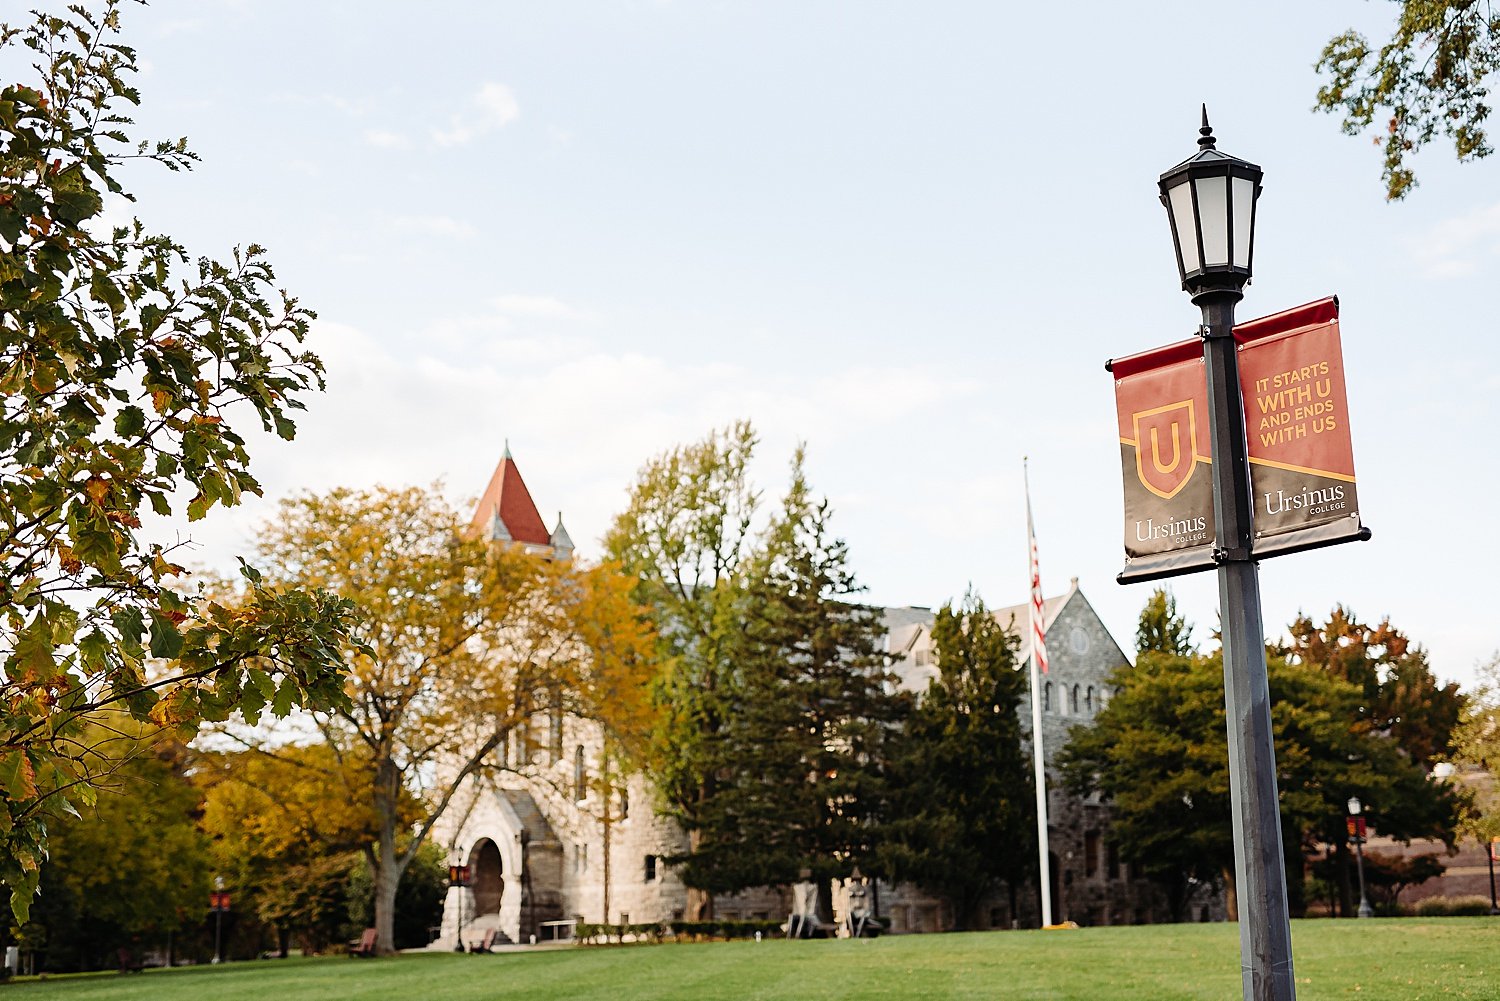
507 500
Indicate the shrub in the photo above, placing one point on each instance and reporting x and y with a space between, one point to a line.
1450 907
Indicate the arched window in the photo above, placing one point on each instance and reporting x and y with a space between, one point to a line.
1047 697
1073 701
580 776
555 727
1088 700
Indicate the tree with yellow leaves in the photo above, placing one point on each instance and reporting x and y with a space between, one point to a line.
464 644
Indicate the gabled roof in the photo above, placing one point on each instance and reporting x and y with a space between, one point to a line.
508 498
1017 619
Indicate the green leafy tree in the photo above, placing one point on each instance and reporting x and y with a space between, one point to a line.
1401 696
687 536
1477 751
132 871
122 364
1161 629
1430 78
285 838
462 645
1157 752
963 814
800 756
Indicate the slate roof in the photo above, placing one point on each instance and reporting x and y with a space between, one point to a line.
507 495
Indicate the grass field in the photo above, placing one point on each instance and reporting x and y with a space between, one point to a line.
1405 959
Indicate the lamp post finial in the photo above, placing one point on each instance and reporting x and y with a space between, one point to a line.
1206 133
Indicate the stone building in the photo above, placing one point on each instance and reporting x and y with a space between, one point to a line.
547 848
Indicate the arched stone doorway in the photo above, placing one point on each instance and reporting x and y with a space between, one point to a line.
487 873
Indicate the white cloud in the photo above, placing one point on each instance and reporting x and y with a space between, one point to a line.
437 225
539 306
1461 246
493 107
581 417
180 26
386 140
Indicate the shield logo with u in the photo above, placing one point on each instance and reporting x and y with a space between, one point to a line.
1166 447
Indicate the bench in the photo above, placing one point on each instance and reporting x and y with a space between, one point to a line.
364 946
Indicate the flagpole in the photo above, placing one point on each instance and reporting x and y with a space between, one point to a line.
1038 664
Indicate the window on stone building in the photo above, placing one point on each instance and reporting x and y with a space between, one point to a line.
650 868
1073 700
921 657
624 803
1091 853
1112 864
525 741
1047 697
580 776
1088 700
555 728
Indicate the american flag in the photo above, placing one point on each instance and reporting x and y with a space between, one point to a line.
1038 629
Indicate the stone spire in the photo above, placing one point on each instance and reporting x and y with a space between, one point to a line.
562 543
498 531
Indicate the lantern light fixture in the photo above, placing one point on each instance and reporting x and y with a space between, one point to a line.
1210 200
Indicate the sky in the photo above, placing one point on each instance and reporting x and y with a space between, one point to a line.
906 234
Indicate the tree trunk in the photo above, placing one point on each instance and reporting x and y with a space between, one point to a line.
283 941
700 903
387 875
1296 879
1231 898
1176 889
387 871
605 831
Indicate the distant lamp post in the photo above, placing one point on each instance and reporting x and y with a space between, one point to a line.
458 876
220 904
1357 835
1210 200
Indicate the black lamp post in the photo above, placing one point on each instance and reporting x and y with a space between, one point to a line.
458 878
1210 201
1357 835
1489 854
220 906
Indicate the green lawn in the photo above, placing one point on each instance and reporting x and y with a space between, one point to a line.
1405 959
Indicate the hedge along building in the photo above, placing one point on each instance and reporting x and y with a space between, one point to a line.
554 841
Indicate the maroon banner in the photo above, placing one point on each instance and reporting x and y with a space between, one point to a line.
1297 429
1161 403
1297 432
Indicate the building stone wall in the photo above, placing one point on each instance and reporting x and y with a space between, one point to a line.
567 855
